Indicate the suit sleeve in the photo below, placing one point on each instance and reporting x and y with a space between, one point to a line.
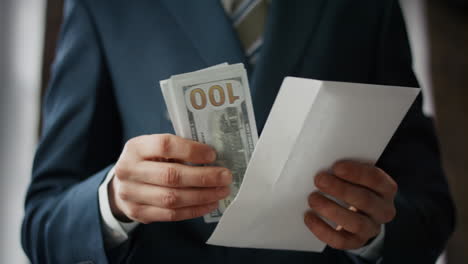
425 211
80 140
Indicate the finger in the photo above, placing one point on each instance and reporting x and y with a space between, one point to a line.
179 175
366 175
169 197
350 221
335 239
171 147
382 211
147 214
352 208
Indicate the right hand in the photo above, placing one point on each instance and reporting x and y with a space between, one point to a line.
147 189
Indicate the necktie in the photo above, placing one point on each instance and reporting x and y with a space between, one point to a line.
249 17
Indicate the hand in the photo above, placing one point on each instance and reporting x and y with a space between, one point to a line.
367 188
147 189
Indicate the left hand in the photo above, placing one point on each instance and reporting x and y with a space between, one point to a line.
365 187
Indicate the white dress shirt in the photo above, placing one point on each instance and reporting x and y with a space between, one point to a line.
115 231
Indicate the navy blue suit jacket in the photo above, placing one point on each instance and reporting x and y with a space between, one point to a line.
104 91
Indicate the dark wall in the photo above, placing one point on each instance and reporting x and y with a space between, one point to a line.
448 44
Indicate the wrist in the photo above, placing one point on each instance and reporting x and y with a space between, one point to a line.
113 202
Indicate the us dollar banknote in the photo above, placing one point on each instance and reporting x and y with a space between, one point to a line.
213 106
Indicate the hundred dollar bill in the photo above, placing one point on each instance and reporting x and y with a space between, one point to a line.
168 96
214 106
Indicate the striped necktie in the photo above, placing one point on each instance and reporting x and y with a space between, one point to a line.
249 17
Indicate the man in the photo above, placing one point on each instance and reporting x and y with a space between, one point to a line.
103 163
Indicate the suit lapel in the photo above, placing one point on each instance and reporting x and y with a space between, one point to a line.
290 27
210 30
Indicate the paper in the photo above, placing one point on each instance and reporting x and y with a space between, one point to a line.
312 124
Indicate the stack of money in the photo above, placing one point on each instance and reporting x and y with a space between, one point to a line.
213 106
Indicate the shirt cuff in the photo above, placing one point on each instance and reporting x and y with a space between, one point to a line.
373 251
115 232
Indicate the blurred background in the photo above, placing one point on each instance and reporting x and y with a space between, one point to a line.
28 32
22 25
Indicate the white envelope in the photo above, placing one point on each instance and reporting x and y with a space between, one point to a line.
312 124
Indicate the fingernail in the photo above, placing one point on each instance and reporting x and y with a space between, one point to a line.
223 191
309 218
226 176
340 169
213 206
211 155
311 199
323 180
